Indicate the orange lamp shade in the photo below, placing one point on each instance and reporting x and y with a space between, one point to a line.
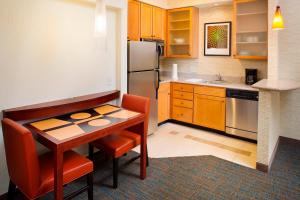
277 20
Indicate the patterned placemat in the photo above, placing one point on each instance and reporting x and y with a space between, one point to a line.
123 114
49 123
106 109
65 132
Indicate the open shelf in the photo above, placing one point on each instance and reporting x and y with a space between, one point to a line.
180 29
176 44
254 13
182 26
180 20
251 29
251 57
263 42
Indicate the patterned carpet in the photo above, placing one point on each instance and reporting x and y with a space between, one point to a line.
203 177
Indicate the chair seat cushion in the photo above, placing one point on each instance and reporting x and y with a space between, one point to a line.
119 143
74 167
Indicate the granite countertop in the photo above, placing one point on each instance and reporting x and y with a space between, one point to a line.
239 86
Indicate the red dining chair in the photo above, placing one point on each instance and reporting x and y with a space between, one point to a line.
118 144
33 174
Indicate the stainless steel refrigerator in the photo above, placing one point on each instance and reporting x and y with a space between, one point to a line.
143 74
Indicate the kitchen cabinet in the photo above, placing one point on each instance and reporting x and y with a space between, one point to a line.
182 114
164 102
250 29
134 17
194 104
152 22
159 23
182 102
209 107
146 21
183 32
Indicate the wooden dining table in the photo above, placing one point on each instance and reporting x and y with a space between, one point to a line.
63 132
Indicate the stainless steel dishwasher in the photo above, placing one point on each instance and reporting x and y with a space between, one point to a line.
242 113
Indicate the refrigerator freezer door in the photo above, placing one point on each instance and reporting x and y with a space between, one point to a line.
144 84
142 56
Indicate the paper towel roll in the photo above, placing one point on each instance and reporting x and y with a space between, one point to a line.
175 72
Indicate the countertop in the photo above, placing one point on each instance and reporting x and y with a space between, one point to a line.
277 85
239 86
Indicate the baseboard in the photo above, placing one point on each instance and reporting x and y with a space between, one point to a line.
281 141
262 167
289 141
266 168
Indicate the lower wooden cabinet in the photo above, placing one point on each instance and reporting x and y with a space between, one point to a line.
164 98
209 112
182 114
193 104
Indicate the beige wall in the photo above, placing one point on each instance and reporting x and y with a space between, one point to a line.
184 3
48 51
159 3
289 68
212 65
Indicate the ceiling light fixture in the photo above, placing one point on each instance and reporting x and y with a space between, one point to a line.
278 20
100 19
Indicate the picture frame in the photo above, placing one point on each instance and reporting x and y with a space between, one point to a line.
217 39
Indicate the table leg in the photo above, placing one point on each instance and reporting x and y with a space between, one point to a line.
58 174
143 162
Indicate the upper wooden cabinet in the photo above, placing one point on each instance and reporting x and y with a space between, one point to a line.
146 21
134 16
152 22
183 32
250 29
159 23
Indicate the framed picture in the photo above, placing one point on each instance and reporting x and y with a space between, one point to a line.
217 39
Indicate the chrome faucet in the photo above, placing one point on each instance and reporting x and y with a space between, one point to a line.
219 77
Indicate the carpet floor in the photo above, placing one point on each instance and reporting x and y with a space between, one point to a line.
199 177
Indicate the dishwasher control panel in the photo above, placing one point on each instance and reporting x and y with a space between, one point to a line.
242 94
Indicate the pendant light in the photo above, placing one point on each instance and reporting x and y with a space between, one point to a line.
278 20
100 19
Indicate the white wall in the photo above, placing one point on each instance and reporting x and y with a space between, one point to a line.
289 68
211 65
48 51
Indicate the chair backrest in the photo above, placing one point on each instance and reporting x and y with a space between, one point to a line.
138 104
21 157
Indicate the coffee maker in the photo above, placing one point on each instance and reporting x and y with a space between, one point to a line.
251 76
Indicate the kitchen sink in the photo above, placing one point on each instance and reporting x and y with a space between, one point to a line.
216 82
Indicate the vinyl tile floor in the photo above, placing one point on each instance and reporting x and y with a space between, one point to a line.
173 140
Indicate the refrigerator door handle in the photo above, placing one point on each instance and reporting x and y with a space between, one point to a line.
157 82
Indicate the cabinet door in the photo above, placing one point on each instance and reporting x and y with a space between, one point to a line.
164 102
134 16
159 16
146 21
209 112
